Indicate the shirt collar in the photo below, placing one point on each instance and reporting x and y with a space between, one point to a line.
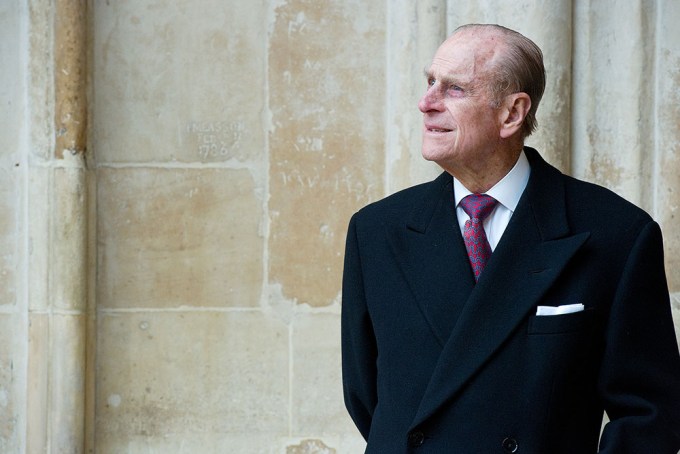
507 191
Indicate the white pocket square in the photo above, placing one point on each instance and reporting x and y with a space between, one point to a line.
559 310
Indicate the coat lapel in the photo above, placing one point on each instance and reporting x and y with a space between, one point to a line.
431 253
532 253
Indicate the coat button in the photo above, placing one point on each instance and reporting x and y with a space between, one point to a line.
416 438
510 445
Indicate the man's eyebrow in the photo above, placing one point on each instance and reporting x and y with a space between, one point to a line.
428 73
446 80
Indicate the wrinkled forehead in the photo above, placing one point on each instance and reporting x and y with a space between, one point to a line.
468 52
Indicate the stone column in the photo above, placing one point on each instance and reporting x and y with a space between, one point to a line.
613 67
70 76
58 225
666 123
13 324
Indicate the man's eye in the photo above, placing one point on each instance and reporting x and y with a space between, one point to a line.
456 88
430 81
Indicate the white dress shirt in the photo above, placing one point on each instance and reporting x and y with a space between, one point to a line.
507 192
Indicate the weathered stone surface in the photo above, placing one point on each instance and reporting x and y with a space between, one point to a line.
39 296
317 404
9 234
667 130
612 123
12 104
326 84
54 405
310 447
12 108
11 412
70 76
66 386
200 375
178 237
179 81
198 443
38 372
328 444
12 326
40 78
69 234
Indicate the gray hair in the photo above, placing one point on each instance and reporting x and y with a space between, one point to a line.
519 69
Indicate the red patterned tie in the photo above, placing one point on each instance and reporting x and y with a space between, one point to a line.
478 207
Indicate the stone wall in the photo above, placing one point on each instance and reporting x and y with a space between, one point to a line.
177 178
12 264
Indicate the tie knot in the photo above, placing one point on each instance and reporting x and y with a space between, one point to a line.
478 206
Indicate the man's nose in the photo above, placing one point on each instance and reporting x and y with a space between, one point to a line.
431 100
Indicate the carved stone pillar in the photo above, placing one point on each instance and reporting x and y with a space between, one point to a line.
58 229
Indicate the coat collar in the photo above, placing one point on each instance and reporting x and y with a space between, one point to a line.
432 255
545 191
532 253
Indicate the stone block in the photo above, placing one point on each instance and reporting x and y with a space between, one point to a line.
11 379
179 81
178 237
205 377
39 181
11 119
11 82
343 444
612 126
10 237
68 245
326 85
37 432
199 443
55 399
66 382
310 446
40 66
667 122
318 406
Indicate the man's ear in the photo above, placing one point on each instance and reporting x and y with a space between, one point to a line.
514 110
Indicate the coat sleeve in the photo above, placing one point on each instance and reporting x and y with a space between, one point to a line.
640 374
359 351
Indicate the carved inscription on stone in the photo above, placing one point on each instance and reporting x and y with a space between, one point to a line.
216 139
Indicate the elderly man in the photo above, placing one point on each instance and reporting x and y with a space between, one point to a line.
504 306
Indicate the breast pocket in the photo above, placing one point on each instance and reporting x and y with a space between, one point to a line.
561 324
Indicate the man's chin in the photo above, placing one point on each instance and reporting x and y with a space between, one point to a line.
430 155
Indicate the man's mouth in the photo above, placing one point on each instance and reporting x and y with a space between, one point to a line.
436 129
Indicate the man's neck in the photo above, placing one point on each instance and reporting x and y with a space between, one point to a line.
483 178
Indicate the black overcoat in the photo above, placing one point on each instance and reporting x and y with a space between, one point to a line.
433 363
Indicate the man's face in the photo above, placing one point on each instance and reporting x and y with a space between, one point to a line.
461 126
